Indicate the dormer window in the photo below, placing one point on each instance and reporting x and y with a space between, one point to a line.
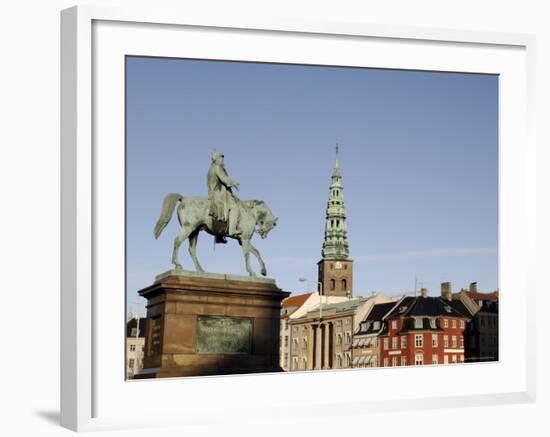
418 323
432 324
376 325
447 308
402 309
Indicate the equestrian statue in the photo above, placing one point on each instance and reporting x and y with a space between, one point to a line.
222 214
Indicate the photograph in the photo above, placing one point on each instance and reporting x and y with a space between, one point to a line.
304 218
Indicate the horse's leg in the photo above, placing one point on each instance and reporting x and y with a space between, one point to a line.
193 250
256 253
182 236
246 251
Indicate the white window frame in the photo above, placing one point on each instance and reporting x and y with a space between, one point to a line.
418 343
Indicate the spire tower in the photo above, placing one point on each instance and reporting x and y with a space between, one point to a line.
335 267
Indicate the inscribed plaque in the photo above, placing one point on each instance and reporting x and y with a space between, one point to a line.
223 335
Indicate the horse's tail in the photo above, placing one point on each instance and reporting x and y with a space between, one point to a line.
166 212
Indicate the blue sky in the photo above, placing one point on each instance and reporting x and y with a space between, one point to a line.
418 152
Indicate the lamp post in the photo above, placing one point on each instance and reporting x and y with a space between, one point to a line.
320 291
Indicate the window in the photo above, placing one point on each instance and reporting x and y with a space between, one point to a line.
294 345
461 358
386 343
446 359
461 341
454 323
344 284
394 344
339 339
403 361
418 359
348 337
132 348
404 342
435 359
454 340
339 360
286 340
445 341
418 340
304 343
445 323
295 363
434 340
462 324
286 359
386 362
418 323
394 362
482 321
453 359
131 363
432 324
394 324
376 325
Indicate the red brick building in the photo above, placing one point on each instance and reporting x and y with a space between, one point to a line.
423 330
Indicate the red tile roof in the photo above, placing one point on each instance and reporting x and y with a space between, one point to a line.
295 301
493 297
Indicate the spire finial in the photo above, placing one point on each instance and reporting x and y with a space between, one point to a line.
337 147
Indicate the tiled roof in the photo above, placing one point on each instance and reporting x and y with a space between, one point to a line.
343 306
131 324
295 301
493 297
428 306
379 310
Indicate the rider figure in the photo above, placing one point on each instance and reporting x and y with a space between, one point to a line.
223 203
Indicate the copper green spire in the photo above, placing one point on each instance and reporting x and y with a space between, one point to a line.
335 245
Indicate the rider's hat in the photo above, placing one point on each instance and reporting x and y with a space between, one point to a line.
216 155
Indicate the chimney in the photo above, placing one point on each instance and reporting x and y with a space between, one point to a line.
473 287
446 292
424 292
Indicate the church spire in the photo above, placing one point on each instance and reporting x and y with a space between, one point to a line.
335 245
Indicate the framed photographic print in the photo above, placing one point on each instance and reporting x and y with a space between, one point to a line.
258 206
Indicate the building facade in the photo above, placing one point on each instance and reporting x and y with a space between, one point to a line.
323 337
289 306
482 341
135 345
415 330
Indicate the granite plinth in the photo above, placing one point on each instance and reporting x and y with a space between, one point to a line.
211 324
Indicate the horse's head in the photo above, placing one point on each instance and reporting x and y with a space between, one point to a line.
265 221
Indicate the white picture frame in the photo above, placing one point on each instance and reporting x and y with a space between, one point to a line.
93 390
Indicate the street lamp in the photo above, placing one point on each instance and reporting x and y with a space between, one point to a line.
319 290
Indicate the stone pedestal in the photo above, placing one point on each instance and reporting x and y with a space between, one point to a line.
211 324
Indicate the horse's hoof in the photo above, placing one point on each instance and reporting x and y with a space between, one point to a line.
264 272
252 275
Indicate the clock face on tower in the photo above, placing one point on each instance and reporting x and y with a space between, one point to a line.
338 265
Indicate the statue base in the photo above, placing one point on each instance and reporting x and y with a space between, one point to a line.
211 324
